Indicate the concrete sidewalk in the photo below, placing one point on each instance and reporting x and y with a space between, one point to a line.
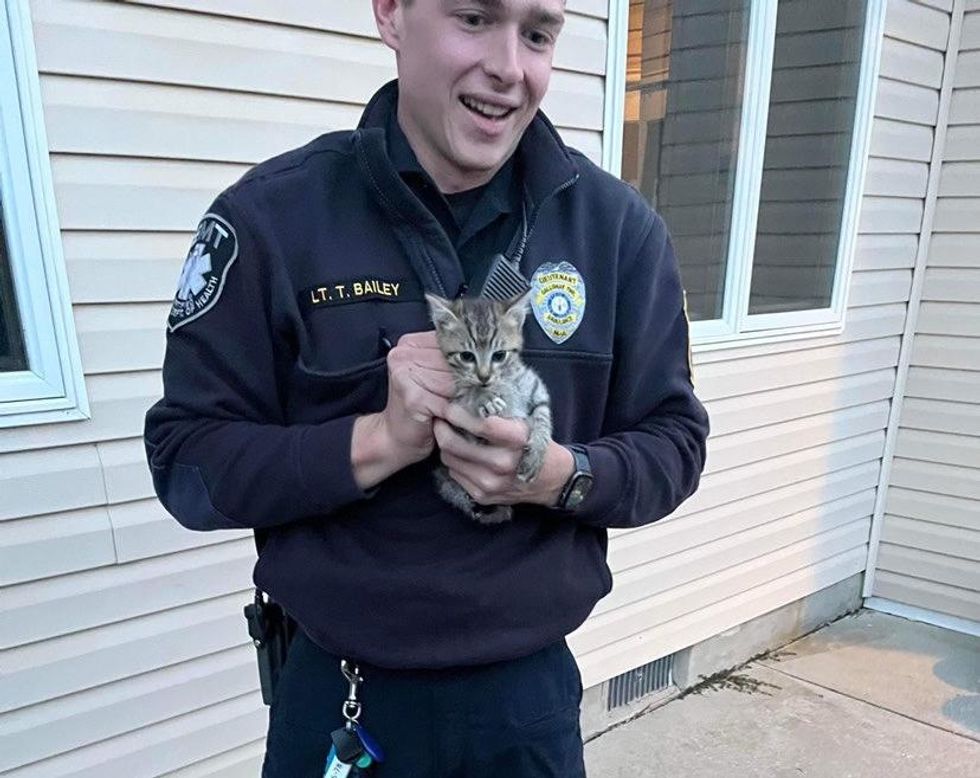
867 696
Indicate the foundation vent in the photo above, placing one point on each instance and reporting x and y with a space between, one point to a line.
654 677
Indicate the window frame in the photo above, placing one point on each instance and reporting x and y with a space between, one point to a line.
52 389
737 326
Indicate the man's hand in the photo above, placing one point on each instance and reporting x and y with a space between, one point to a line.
420 385
488 472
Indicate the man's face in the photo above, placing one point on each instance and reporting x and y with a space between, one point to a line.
471 74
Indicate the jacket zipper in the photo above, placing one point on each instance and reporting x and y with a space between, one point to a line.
526 237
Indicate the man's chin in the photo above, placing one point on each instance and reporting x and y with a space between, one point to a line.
483 161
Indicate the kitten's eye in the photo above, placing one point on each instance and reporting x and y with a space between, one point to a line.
467 356
499 356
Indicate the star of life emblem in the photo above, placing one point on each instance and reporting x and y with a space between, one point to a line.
212 253
558 299
193 278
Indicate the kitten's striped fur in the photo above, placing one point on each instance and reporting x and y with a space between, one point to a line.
482 341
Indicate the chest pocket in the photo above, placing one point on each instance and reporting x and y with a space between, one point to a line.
342 365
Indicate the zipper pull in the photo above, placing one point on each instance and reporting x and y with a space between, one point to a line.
384 344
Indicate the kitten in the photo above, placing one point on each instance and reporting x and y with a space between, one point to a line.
482 341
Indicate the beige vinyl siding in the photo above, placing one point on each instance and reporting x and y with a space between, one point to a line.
798 429
122 645
930 541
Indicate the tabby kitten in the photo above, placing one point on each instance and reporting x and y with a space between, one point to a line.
482 341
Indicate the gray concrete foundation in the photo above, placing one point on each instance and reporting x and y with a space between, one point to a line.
729 649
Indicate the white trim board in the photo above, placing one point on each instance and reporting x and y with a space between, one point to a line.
954 623
617 33
915 295
53 387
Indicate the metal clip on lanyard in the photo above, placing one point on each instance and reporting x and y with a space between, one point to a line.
351 708
353 750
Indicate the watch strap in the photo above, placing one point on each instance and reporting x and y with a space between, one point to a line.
582 467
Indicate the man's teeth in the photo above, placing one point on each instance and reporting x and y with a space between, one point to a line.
485 109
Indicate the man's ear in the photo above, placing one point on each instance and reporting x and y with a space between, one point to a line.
388 17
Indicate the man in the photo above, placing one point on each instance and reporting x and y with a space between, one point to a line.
305 396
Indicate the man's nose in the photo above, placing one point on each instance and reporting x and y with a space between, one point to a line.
502 61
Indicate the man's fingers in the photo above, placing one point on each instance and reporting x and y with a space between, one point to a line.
419 339
471 488
471 455
512 433
431 359
496 430
487 494
427 407
465 420
434 381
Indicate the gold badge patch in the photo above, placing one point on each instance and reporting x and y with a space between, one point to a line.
558 299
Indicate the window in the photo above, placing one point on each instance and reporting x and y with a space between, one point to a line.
746 124
40 375
12 355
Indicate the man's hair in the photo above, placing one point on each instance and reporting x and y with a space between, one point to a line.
409 2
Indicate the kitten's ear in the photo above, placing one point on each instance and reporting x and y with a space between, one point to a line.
441 310
515 309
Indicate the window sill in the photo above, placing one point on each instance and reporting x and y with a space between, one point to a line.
724 347
31 418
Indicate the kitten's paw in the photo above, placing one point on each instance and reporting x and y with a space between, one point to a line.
530 465
495 514
493 407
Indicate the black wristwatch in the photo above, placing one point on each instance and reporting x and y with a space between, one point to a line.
579 483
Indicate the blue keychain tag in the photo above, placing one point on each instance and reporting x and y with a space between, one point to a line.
371 746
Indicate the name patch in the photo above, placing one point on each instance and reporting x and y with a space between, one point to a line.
212 253
359 290
558 299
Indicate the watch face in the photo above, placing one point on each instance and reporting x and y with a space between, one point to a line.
580 490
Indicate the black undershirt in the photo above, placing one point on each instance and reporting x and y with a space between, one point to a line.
479 222
462 204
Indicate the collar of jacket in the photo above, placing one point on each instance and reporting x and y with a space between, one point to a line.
546 164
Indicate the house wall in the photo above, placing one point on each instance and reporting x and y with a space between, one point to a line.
929 555
122 647
798 428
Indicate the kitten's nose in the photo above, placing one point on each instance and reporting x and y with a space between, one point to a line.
484 378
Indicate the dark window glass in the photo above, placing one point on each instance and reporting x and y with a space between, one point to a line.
12 353
684 84
816 66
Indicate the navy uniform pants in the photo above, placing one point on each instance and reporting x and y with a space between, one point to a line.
518 718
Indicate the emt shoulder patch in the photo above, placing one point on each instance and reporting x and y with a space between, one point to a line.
558 299
213 252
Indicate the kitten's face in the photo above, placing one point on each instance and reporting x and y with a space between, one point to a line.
481 339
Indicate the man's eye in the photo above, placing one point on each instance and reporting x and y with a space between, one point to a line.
467 356
471 20
538 39
499 356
